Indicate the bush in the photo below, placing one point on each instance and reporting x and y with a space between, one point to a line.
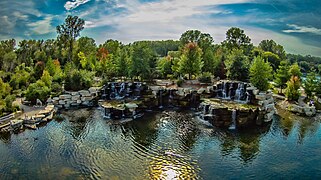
37 90
205 78
56 89
260 73
78 80
180 82
292 91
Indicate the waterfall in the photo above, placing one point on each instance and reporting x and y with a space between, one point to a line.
134 114
239 92
170 98
247 97
204 110
138 85
224 91
122 88
160 98
113 93
230 91
233 125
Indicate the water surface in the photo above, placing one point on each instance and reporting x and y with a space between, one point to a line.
165 144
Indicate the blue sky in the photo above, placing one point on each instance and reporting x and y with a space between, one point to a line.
295 24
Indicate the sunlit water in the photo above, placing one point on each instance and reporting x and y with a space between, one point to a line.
162 145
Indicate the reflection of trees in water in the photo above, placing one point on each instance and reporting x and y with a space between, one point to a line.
286 122
307 126
144 131
5 137
187 130
79 120
247 142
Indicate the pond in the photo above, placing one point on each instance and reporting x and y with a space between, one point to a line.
162 145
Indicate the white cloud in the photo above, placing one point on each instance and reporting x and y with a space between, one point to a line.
74 4
42 26
302 29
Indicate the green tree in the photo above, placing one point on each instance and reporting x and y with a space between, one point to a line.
164 66
273 59
46 78
292 91
282 75
237 39
260 73
191 60
37 90
140 61
237 65
319 69
310 84
295 70
273 47
69 31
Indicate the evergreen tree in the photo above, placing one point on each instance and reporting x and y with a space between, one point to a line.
310 84
292 91
260 73
295 70
237 65
282 75
191 60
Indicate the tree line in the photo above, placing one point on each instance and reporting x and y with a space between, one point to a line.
37 69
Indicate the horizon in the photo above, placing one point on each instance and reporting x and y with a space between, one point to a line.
293 24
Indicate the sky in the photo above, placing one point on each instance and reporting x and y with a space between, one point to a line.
295 24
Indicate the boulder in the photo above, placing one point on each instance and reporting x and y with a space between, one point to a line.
56 98
310 111
75 97
74 93
87 98
84 93
260 97
62 102
65 96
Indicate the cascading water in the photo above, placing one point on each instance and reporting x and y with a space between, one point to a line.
224 91
233 125
160 98
247 97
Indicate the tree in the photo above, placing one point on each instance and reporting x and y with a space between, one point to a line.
70 30
191 60
237 39
237 65
292 91
273 47
273 59
295 70
260 73
310 84
209 60
140 61
203 40
319 69
46 78
37 90
164 66
282 75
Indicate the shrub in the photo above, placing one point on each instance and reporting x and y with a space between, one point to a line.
78 79
180 82
292 91
206 77
260 73
37 90
56 89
